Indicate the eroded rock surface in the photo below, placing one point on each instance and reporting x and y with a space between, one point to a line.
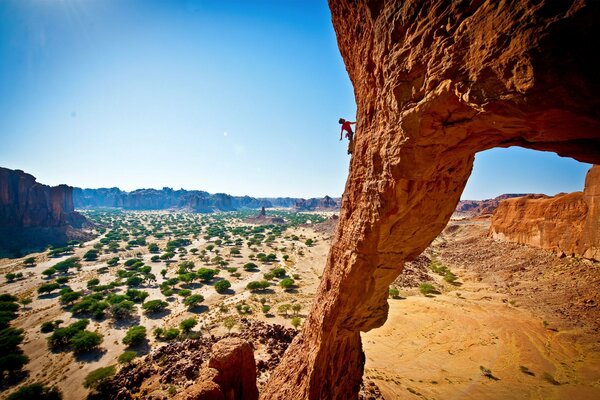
567 224
435 82
33 214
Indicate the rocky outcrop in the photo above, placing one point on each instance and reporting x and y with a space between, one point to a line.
188 200
473 208
568 224
33 214
263 219
25 203
435 82
229 374
315 204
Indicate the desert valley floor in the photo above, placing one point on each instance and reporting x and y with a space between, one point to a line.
471 318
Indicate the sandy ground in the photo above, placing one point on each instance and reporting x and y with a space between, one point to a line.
68 372
430 347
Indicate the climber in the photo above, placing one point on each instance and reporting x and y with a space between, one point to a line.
349 134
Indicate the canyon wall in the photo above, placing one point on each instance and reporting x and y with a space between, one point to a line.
189 200
25 203
568 224
435 82
33 214
474 208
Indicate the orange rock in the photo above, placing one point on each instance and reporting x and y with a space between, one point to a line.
567 224
435 82
230 374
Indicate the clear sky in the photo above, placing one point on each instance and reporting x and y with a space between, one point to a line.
241 97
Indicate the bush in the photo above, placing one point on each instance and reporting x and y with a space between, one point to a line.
154 306
98 377
188 324
123 309
85 341
135 335
36 391
193 300
222 286
48 327
137 295
93 282
278 272
296 321
258 285
309 242
250 266
48 287
69 297
287 283
206 274
266 308
171 334
394 293
426 288
127 357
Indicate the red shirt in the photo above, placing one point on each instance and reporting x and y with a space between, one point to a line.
346 126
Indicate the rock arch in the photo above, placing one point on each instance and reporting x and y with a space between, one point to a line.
434 84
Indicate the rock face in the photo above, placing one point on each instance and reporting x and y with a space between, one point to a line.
188 200
435 82
326 203
24 203
33 214
568 224
473 208
229 374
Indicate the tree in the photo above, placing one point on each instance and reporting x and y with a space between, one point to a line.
93 282
48 287
29 262
393 292
258 285
309 242
229 323
287 283
266 308
278 272
296 308
36 391
296 321
153 248
48 272
154 306
222 286
188 324
171 334
91 255
69 297
85 341
250 267
123 309
426 288
206 274
193 300
283 309
135 335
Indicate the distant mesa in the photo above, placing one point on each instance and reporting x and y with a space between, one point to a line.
33 215
263 219
189 200
568 224
324 204
474 208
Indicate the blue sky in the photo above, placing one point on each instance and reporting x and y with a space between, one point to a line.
241 97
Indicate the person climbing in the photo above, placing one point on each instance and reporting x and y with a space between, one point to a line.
349 134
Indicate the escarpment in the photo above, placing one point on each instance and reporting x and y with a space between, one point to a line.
33 214
568 224
435 82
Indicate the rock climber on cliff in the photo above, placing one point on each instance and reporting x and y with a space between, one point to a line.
349 134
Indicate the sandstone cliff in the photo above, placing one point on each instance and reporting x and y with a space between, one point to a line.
33 214
189 200
474 208
25 203
567 224
435 82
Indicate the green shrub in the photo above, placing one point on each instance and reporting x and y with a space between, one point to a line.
127 357
188 324
426 288
85 341
287 283
222 286
193 300
98 377
258 285
135 335
154 306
